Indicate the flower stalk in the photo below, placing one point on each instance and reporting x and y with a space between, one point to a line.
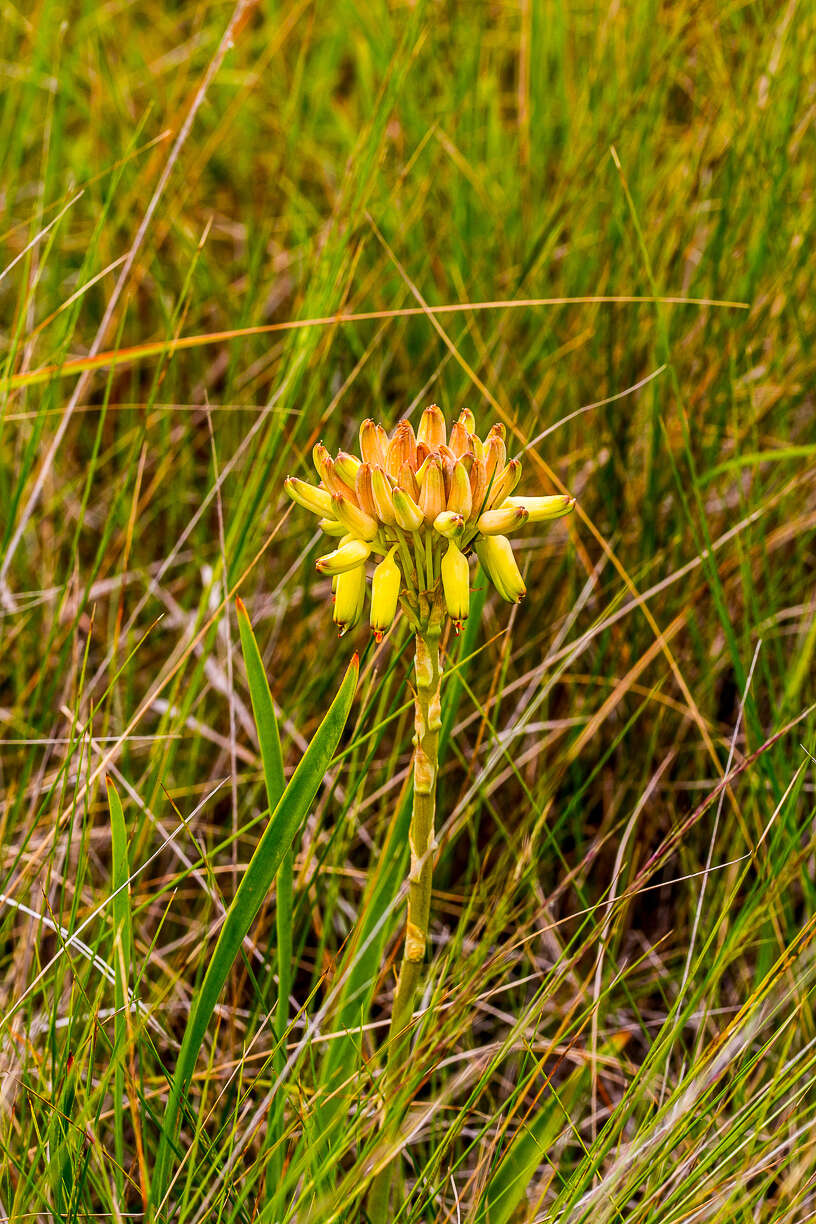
427 725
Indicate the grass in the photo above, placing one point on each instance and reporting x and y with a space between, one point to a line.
618 1017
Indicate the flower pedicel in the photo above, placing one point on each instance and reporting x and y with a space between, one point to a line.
423 503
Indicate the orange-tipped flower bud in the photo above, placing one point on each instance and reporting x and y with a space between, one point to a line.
363 486
478 487
346 467
498 562
406 511
350 553
401 449
385 591
322 460
432 491
498 522
373 442
432 427
459 439
476 446
408 481
467 419
456 584
504 482
383 497
460 497
449 524
541 509
357 522
310 497
495 456
349 597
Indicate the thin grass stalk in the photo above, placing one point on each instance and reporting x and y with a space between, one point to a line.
427 723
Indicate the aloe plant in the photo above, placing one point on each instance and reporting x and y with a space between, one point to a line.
423 502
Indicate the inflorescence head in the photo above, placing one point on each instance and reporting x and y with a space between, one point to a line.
422 502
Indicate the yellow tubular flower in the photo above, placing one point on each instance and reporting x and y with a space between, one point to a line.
373 443
385 593
496 556
357 522
449 524
478 487
495 455
349 597
542 509
503 484
406 512
456 584
322 461
309 496
497 522
432 491
350 553
460 497
382 493
432 427
331 527
345 466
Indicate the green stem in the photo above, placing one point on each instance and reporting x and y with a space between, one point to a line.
427 721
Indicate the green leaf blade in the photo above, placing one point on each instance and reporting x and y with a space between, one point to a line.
287 817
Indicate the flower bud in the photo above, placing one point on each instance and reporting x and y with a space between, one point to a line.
467 419
364 489
432 491
432 427
504 482
406 511
309 496
349 597
456 584
498 522
449 524
401 449
476 445
321 459
460 498
383 496
498 562
540 509
357 522
408 481
373 442
495 456
385 591
478 487
331 527
350 553
459 439
346 466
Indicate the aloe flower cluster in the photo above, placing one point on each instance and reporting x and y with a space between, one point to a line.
422 502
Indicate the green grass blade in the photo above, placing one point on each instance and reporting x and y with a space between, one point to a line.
286 819
526 1153
122 947
263 709
266 723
